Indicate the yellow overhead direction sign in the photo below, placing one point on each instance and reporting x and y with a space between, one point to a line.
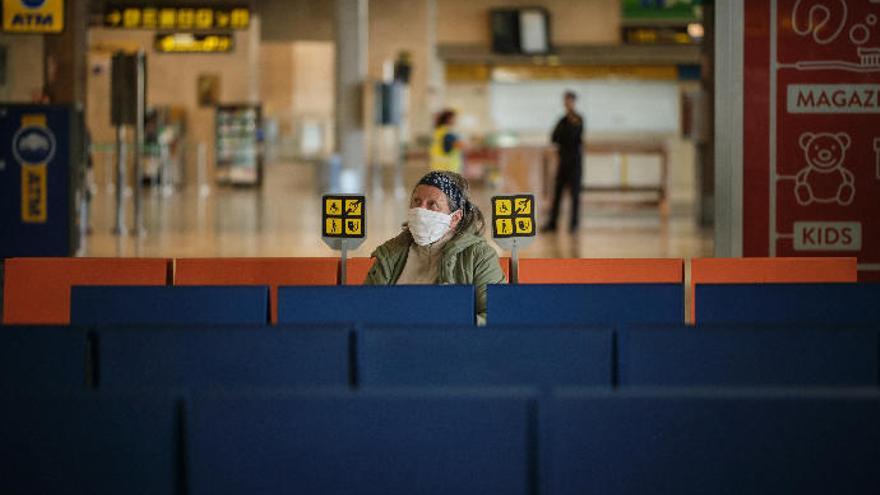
128 16
194 43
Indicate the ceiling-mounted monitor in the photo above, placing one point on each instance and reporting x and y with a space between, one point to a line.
520 31
534 27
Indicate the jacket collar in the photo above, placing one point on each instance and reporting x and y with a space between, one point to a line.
399 246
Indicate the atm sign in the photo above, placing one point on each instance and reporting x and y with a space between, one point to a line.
33 16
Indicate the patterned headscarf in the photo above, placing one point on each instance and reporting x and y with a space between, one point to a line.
446 184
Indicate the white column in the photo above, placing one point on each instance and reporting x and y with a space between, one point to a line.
351 74
729 31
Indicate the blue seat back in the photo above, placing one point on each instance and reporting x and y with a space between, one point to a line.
42 358
142 305
689 444
366 443
89 443
483 357
748 357
403 304
586 304
833 304
217 357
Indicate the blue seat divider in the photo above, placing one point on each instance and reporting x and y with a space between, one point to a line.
585 304
361 442
834 304
42 358
400 304
142 305
484 357
89 443
689 443
222 357
748 356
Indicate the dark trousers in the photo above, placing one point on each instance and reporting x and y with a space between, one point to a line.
568 177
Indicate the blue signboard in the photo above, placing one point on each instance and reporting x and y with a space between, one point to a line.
35 181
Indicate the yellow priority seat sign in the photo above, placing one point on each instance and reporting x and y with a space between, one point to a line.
514 226
343 218
513 216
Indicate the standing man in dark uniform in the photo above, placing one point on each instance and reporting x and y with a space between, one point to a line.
568 137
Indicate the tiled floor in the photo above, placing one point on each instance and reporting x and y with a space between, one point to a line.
284 220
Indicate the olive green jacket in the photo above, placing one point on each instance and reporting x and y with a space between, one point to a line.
466 259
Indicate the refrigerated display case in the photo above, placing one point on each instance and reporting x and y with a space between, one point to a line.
238 158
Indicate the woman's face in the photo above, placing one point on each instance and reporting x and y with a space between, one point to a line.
433 199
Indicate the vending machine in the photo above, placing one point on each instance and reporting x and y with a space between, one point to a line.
239 160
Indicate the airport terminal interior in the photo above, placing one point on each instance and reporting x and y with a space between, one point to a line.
440 246
644 103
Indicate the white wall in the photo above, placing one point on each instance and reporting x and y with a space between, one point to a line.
608 106
297 87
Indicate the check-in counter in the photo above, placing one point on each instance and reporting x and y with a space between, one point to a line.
531 167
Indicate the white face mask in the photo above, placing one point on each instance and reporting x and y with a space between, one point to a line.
426 226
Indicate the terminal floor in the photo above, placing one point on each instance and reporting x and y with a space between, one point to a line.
284 220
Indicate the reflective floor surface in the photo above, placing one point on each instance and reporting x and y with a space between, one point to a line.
284 219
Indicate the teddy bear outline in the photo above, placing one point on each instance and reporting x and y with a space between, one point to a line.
846 190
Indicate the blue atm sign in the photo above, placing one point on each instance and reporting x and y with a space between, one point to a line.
36 190
33 16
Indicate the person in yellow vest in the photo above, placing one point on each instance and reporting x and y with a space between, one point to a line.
446 147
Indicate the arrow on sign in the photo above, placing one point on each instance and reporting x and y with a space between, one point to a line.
114 18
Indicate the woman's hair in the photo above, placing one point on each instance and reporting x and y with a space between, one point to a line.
458 195
444 117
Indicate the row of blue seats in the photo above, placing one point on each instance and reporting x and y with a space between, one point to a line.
36 357
507 304
474 441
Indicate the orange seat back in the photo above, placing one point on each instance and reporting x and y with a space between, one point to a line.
37 290
273 272
769 270
601 271
359 267
504 261
357 270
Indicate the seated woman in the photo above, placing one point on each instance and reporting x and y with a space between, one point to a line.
442 241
